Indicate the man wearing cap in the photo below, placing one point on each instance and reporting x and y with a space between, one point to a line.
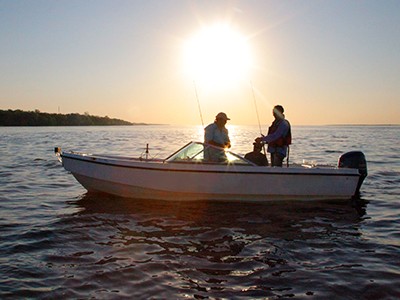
279 137
216 135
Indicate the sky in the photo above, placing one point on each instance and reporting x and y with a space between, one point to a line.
182 62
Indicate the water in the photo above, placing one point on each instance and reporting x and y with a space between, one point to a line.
57 241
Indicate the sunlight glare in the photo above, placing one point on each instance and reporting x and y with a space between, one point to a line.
217 56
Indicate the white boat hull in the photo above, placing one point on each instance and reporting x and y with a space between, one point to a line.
157 180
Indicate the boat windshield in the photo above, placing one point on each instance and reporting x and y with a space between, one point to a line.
196 152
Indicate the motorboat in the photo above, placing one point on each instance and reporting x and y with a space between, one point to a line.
187 175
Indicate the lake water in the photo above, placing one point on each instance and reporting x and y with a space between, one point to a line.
58 242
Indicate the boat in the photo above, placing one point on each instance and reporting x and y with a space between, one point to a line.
185 175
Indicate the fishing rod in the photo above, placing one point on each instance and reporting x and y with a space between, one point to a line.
255 105
258 116
198 103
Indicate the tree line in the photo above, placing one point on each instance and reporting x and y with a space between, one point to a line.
37 118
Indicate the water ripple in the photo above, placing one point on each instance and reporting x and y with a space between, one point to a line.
59 242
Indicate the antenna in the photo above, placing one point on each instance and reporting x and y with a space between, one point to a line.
198 103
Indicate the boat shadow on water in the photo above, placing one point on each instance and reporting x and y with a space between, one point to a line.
273 219
209 248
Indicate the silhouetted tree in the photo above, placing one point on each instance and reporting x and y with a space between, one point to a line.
37 118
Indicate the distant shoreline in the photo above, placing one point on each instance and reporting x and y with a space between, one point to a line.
36 118
361 125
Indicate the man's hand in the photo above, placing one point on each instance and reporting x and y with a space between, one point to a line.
217 144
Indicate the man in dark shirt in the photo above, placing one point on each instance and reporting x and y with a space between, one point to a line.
279 137
256 156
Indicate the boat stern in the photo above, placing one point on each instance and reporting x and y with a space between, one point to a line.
355 160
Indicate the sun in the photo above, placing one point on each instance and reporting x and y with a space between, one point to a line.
217 56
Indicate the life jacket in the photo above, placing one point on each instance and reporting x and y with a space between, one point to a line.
283 140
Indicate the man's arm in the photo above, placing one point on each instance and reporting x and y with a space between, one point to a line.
281 131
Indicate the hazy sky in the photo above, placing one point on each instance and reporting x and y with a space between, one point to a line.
326 62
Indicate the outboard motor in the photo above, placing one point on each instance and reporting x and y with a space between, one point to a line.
355 160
